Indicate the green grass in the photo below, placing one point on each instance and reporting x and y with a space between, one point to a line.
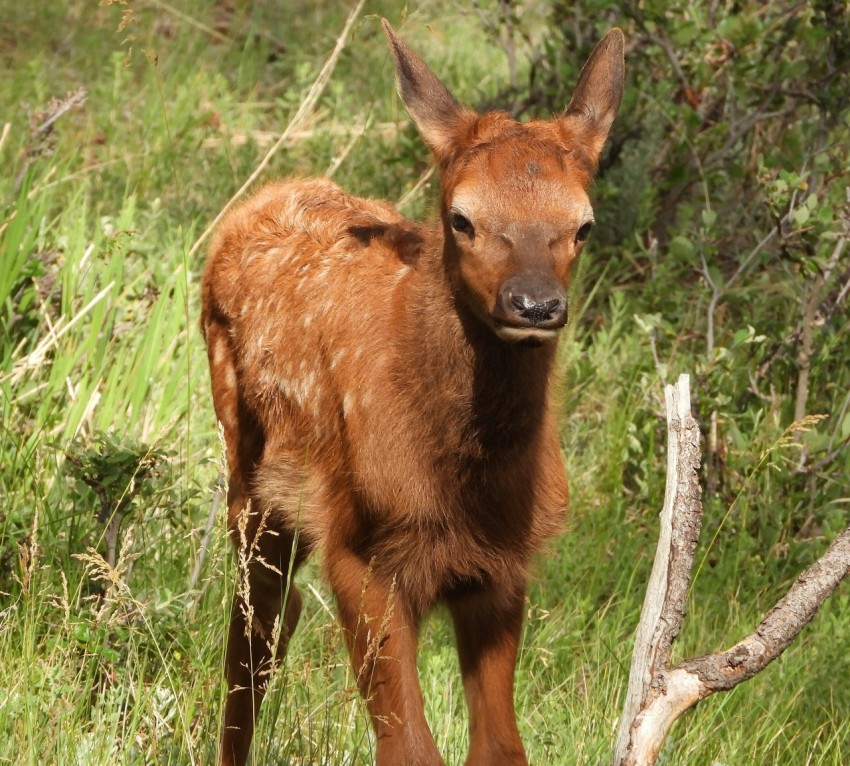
102 366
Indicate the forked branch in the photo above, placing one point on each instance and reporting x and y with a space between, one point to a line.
658 694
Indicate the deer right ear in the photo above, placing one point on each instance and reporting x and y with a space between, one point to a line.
440 119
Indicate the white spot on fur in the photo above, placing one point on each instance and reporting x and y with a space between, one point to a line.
337 357
285 385
219 351
317 402
298 393
267 378
303 389
347 404
279 254
230 376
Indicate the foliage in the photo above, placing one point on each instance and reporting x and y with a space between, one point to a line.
728 175
720 250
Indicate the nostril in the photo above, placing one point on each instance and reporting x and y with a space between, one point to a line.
521 302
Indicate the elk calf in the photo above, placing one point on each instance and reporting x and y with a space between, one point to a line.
385 392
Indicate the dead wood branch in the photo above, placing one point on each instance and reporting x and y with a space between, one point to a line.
664 606
658 694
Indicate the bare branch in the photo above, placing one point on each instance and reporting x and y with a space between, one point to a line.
781 625
664 606
657 694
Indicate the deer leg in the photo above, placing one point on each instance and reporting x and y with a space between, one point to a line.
381 633
260 628
488 627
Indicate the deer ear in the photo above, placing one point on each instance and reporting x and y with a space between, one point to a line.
596 99
440 119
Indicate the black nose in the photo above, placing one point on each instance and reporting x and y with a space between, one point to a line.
535 312
532 301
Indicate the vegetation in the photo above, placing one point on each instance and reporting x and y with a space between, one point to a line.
720 250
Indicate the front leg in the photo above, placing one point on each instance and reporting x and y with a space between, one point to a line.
488 625
381 633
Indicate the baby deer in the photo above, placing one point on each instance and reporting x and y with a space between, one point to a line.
385 389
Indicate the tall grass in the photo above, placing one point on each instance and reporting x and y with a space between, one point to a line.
108 432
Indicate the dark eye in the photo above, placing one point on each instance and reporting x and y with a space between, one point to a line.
460 223
584 232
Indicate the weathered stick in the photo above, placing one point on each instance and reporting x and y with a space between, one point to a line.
657 694
664 605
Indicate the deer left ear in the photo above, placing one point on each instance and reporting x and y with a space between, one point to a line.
440 119
596 99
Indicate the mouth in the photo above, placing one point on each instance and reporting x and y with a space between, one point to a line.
529 336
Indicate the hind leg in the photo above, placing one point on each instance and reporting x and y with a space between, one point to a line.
265 612
261 623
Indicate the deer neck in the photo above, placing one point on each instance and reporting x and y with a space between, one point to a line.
458 370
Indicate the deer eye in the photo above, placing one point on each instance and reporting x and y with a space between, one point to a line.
584 231
460 223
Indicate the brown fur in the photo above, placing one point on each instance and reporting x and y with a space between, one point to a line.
369 403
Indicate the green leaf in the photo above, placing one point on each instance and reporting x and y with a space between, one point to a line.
716 277
681 247
686 33
800 215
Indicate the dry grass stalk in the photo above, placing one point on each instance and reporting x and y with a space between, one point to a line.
304 110
265 138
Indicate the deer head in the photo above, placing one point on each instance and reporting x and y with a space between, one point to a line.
515 206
